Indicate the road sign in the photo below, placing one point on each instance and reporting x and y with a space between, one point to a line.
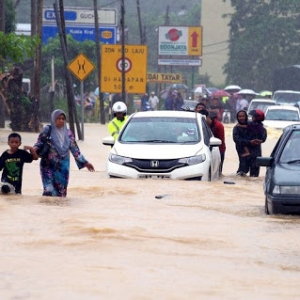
178 40
83 15
164 77
81 67
179 62
107 35
135 68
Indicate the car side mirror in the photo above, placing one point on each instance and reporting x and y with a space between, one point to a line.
264 161
108 141
214 142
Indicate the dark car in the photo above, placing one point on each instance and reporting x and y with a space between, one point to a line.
282 180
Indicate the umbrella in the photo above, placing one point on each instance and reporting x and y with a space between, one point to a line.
246 92
266 93
179 86
220 93
232 88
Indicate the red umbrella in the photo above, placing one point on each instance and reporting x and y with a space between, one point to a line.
220 93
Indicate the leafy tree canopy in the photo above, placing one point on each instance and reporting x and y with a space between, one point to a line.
15 48
264 36
10 16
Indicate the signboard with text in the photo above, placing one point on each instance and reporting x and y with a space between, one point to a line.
107 35
82 16
179 40
135 68
80 24
164 77
179 62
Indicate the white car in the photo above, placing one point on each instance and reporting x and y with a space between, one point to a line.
280 116
287 97
260 103
165 145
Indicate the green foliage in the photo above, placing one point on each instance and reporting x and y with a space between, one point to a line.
264 36
53 49
15 48
10 16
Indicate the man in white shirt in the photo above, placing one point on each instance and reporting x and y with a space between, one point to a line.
153 100
241 103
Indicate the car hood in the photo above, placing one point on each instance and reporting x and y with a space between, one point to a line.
156 151
287 174
279 124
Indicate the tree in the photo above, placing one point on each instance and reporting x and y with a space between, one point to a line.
15 49
10 16
264 36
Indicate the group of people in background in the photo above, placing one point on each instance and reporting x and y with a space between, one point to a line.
247 135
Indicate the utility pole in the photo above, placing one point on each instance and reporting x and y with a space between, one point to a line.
98 56
70 92
36 29
2 16
2 28
123 49
140 21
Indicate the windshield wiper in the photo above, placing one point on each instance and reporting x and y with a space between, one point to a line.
294 161
157 141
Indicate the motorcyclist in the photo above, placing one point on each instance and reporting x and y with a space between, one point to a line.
119 110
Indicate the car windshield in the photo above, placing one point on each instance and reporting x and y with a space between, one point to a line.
260 105
161 130
282 115
288 97
291 153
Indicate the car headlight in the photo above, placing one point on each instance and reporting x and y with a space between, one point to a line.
286 189
117 159
194 160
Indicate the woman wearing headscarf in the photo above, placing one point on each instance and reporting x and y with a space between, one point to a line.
55 167
241 137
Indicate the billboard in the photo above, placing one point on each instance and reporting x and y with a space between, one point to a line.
179 41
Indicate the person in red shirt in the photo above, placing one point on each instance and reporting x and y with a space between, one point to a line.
218 131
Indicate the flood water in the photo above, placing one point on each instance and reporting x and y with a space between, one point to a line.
112 239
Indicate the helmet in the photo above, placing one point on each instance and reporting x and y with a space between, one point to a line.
259 114
119 106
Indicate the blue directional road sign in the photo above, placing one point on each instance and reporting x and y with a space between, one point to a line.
107 35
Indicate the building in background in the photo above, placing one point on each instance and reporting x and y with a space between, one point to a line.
215 39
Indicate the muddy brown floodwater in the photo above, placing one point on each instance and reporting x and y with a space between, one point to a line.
114 239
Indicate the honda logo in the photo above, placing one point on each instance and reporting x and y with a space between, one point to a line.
154 163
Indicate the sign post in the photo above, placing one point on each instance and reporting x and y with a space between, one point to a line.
135 69
81 67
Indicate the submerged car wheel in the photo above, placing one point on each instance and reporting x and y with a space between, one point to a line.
266 207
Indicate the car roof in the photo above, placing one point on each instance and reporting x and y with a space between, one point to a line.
287 91
263 100
165 113
281 107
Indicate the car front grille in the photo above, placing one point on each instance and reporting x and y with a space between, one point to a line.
155 165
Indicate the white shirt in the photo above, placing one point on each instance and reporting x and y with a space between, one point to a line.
153 100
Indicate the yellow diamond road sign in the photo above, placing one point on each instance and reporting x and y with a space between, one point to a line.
81 66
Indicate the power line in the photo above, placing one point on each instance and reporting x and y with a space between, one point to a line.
222 42
216 51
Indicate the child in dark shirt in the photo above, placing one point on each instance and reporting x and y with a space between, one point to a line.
13 159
